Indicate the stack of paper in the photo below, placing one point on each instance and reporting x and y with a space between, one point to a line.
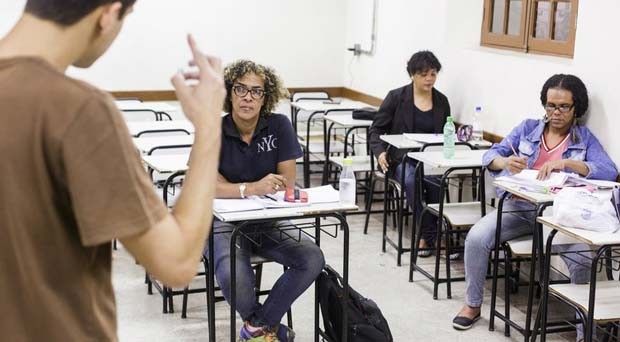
322 194
528 178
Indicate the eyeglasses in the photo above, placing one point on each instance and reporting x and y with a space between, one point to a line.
563 108
241 91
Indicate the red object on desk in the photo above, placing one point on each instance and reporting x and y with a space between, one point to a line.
295 195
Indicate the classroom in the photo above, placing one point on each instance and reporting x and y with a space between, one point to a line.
344 170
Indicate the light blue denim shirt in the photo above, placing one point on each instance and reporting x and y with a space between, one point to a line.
526 139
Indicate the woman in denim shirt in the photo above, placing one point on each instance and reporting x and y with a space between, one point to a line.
556 143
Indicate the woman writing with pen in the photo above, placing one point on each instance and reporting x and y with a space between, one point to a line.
556 143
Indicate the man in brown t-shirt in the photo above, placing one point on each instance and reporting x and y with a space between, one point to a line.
71 180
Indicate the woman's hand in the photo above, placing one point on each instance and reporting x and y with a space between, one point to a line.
383 162
549 167
515 164
270 184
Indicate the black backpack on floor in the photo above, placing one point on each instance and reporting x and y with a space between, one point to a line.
365 323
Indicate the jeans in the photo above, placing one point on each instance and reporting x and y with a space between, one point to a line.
304 261
428 230
480 242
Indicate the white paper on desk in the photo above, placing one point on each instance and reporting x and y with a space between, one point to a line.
426 137
528 177
596 183
322 194
277 201
229 205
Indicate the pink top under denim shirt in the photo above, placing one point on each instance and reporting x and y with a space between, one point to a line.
547 153
527 138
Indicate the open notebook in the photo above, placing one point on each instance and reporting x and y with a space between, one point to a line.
527 178
321 194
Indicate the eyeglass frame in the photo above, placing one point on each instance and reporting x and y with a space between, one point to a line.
247 90
561 108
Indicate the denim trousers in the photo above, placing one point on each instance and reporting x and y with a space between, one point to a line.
516 222
428 229
302 257
481 240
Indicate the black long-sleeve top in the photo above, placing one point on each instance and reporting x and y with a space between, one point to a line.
396 116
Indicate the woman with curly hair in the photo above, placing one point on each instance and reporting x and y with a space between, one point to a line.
258 154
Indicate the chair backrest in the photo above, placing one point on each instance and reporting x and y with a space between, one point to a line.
438 146
310 95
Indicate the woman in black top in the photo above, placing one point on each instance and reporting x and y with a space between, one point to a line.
415 108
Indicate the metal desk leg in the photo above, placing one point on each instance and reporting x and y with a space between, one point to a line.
317 240
500 207
211 290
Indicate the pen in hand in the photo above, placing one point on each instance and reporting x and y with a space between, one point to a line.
512 147
515 164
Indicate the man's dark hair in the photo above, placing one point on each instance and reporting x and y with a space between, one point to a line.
422 61
571 83
69 12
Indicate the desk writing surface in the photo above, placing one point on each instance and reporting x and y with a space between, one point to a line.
400 142
275 213
137 127
319 106
167 162
462 158
518 190
346 120
145 144
583 235
146 106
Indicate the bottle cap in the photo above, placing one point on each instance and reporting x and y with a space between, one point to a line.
478 108
449 119
348 161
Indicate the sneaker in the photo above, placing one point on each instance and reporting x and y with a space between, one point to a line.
285 334
464 323
258 335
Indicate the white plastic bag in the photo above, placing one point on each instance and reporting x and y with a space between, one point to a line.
579 208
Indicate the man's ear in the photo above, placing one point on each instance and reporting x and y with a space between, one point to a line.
110 15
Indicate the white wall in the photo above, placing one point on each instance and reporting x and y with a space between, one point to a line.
505 83
300 39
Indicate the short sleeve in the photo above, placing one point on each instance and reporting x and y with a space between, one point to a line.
288 146
110 192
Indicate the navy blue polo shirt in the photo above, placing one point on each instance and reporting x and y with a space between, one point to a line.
274 141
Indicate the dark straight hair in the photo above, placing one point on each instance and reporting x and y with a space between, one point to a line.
69 12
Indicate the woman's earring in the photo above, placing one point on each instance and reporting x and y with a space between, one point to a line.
545 118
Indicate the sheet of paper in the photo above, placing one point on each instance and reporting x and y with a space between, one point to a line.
426 137
528 177
229 205
277 201
322 194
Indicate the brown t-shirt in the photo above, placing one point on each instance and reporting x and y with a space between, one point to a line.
70 182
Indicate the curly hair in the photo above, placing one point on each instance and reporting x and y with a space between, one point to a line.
571 83
422 61
274 88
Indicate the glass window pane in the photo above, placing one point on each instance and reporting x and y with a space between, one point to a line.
499 7
562 21
514 17
543 11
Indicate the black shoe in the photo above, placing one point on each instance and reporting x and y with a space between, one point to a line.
464 323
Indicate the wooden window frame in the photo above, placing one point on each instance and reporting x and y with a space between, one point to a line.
525 41
550 46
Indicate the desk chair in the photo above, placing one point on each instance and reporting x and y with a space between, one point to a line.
319 95
453 219
314 144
